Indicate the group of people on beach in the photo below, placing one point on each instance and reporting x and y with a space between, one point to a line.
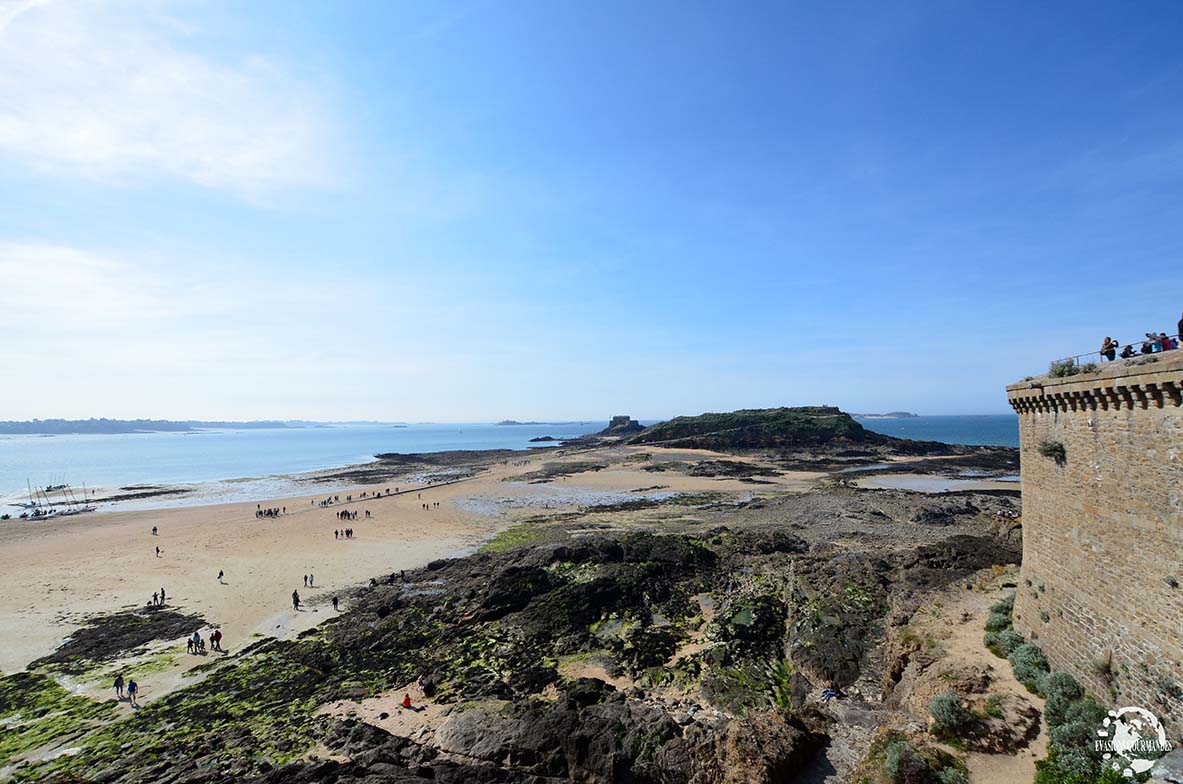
343 533
260 512
1154 343
196 645
310 581
133 690
158 597
432 505
345 514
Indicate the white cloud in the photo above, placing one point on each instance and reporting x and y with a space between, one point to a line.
116 92
59 288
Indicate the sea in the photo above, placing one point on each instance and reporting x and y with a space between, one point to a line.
253 464
977 430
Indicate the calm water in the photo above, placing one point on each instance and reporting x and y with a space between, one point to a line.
217 455
985 430
212 455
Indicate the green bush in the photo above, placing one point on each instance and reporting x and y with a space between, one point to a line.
1029 664
903 764
997 622
1061 690
948 714
1008 640
1062 685
951 776
1060 768
1086 710
1066 768
1006 606
1002 643
1076 735
1071 758
1061 369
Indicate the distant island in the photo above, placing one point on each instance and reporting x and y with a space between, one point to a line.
74 426
888 415
510 422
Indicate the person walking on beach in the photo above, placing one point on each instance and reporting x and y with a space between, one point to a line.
155 599
133 689
119 687
215 640
221 574
312 581
334 604
296 600
157 551
305 581
154 530
162 596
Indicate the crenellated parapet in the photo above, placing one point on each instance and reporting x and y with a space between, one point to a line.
1145 382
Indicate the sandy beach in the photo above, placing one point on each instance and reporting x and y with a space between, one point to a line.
63 571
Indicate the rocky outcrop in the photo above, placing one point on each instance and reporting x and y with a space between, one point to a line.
621 425
761 428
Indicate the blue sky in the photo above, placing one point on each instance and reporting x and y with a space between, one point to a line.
481 210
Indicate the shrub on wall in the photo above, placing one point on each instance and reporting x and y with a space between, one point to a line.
1061 369
1055 450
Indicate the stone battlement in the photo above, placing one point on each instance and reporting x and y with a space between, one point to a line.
1101 587
1154 380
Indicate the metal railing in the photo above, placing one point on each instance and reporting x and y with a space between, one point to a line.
1096 358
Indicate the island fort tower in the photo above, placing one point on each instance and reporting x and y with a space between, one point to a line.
1101 586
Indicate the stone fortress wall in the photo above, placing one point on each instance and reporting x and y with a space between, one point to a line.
1101 587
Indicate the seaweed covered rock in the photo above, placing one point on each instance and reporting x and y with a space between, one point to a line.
107 637
512 589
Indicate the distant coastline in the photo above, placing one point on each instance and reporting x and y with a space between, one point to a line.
108 426
888 415
104 426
